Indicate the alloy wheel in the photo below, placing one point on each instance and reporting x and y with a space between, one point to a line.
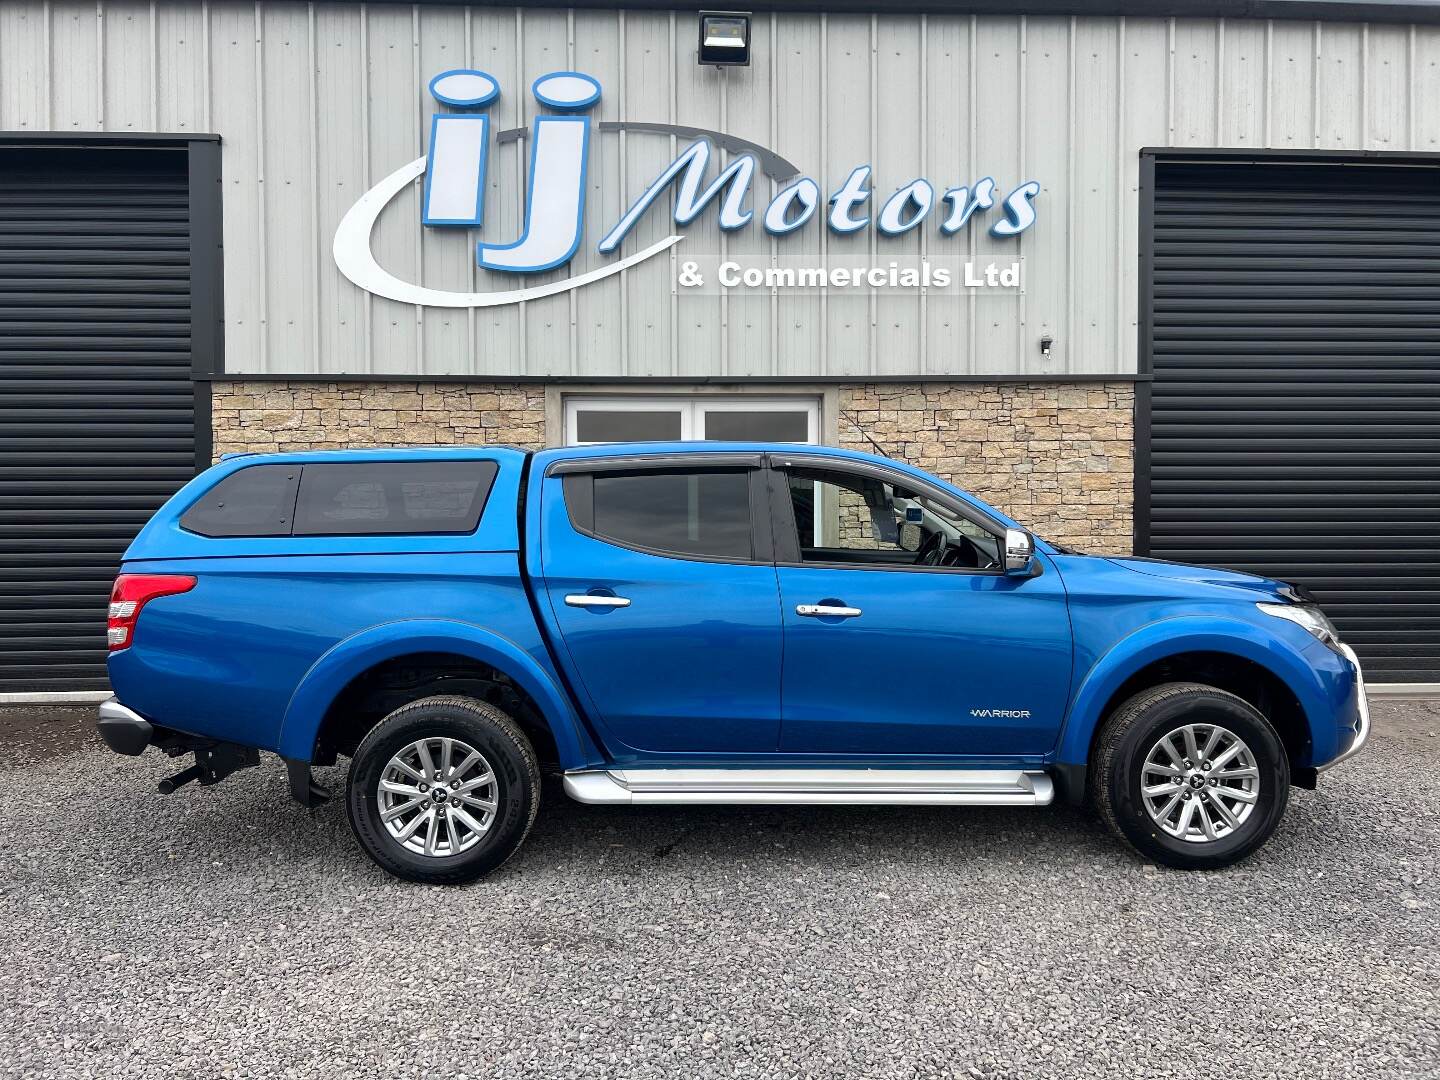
437 796
1200 783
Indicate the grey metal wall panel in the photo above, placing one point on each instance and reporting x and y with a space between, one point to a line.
1295 419
317 102
97 410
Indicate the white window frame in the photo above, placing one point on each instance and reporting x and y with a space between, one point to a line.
692 409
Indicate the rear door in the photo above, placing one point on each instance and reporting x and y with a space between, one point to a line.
659 576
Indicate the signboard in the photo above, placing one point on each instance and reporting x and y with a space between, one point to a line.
554 213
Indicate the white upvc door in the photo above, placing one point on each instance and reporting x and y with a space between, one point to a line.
677 417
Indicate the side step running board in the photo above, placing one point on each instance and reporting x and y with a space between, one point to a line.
813 787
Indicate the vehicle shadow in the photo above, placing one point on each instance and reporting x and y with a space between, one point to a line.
252 817
694 835
627 839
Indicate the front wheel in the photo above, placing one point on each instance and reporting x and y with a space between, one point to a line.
443 790
1192 776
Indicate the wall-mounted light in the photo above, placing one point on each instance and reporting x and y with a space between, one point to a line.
1046 344
725 38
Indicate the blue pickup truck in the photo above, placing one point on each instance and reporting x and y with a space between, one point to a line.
702 623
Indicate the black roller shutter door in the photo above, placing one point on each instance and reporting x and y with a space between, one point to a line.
97 406
1295 411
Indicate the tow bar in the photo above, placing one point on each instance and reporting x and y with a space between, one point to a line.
213 763
127 732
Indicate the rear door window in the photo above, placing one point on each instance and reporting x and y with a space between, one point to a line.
703 513
256 501
393 497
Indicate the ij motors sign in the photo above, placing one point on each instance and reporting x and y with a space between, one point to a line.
454 174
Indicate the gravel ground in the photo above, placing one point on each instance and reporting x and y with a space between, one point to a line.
228 932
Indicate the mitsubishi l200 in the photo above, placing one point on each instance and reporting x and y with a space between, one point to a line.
702 623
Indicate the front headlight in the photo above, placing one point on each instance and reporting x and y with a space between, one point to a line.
1307 615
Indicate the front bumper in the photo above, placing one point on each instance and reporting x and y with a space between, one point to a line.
1362 707
124 730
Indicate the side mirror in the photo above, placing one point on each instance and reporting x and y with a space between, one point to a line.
1019 551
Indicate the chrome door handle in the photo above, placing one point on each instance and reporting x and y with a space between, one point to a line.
591 600
817 610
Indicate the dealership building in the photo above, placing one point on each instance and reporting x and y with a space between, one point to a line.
1161 278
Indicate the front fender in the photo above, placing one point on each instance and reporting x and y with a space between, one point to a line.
344 661
1315 688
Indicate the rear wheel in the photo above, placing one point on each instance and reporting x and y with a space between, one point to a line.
1194 777
443 790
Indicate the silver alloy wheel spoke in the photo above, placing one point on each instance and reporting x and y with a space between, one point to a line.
1229 755
1200 783
1203 813
1192 752
1236 774
1236 794
1170 751
480 781
415 823
464 766
483 804
420 792
401 809
462 816
1223 812
413 774
427 763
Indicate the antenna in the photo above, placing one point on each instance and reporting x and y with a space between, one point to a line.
865 435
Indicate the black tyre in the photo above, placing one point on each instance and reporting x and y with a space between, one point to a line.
1192 776
443 790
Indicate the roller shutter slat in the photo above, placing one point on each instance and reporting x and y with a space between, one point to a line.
97 408
1295 412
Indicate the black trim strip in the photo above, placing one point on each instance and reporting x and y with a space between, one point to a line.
650 462
1328 10
1237 155
207 262
108 139
1145 360
377 377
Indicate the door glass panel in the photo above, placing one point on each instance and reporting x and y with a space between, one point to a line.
841 513
850 518
619 425
768 426
688 513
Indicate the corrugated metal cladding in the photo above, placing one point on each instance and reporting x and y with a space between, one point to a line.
97 410
315 103
1296 403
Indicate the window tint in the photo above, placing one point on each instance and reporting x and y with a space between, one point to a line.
257 501
386 497
690 513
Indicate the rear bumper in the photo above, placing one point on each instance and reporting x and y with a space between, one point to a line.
124 730
1362 713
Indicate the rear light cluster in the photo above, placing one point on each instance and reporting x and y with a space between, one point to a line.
131 593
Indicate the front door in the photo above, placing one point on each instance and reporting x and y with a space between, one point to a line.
902 634
660 581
